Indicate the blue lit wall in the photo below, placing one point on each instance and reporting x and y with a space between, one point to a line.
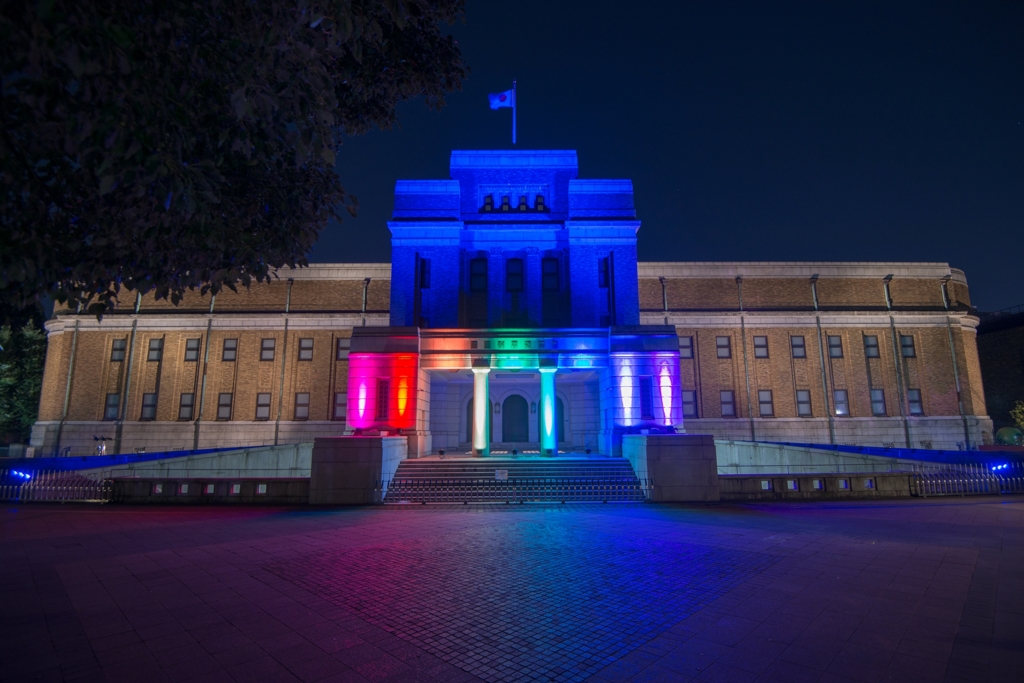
587 226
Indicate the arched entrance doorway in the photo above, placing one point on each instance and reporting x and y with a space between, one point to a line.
515 420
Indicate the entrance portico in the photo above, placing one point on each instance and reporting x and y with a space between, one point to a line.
584 388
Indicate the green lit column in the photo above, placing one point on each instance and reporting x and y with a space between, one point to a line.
548 437
481 412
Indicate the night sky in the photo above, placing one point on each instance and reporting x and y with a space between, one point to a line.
839 131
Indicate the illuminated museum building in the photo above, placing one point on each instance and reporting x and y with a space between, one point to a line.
515 315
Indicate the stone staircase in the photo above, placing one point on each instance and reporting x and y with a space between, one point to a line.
502 479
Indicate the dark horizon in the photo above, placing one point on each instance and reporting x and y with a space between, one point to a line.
846 132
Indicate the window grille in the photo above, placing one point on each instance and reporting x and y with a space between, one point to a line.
192 349
760 347
803 403
302 406
224 406
835 346
148 407
263 406
728 399
185 406
842 401
798 346
723 346
765 404
118 349
686 347
871 349
230 350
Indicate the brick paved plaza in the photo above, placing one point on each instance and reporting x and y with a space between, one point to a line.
916 590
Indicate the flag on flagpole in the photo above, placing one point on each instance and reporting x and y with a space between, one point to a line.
502 99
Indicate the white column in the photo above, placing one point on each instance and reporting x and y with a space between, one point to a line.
481 412
548 437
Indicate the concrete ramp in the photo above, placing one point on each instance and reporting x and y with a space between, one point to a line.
270 462
755 457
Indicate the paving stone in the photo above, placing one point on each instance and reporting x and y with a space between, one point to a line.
869 590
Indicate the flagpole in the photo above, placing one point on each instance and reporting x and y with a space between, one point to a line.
514 103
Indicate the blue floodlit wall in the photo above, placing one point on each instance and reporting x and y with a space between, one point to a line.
523 205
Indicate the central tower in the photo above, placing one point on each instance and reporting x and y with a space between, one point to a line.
514 315
514 239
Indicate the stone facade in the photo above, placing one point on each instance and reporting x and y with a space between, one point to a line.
516 282
326 303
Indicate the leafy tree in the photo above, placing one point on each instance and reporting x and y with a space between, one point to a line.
190 144
21 379
1017 414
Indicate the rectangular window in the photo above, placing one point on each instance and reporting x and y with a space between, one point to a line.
514 275
602 272
550 274
148 407
914 399
835 346
646 398
723 346
878 402
842 401
344 344
907 346
760 347
686 347
224 406
798 347
306 349
424 273
478 275
192 349
262 406
803 402
340 405
230 351
110 409
690 404
267 349
764 403
302 406
156 349
871 346
118 349
728 403
383 391
185 406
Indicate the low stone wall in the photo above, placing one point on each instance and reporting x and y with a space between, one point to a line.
756 458
814 487
674 467
354 470
212 492
268 462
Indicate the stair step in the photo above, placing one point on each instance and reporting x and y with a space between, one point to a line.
428 480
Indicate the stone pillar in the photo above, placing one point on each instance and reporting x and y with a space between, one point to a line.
481 411
548 437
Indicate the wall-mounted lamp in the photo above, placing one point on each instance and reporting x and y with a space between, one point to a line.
497 408
533 407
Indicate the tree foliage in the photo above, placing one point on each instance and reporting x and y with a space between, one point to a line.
170 145
22 353
1017 414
